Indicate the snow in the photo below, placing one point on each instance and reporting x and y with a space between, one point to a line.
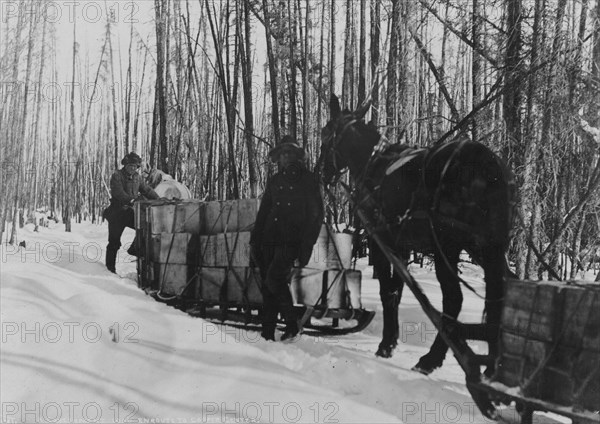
80 344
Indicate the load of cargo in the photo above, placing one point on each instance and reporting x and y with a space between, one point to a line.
196 255
550 343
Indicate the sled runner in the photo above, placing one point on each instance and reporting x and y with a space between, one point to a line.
196 257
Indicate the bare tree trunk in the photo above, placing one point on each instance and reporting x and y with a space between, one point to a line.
155 142
245 48
439 122
348 78
375 31
547 122
332 20
228 100
115 122
305 54
321 62
292 85
512 97
54 120
272 73
362 59
37 126
134 139
525 261
161 89
128 88
476 65
391 102
438 76
22 133
71 138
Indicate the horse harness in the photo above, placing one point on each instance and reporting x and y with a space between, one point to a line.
422 205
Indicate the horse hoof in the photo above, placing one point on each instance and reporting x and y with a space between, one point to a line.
424 371
426 366
421 370
385 351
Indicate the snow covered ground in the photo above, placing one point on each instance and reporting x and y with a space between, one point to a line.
80 344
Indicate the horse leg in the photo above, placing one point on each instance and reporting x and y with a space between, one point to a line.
447 275
390 293
493 264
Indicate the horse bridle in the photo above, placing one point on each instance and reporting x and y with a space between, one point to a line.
333 140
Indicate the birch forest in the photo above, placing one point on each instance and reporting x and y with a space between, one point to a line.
202 89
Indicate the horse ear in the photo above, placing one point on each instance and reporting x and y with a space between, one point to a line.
334 106
362 110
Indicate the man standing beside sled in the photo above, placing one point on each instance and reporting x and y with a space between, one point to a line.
125 186
286 228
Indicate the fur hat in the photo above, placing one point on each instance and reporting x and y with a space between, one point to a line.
131 158
287 143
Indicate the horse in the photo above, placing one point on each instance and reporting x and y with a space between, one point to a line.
439 200
165 185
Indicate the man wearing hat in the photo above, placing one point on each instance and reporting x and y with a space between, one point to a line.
125 185
286 228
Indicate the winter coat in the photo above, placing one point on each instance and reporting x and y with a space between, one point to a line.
125 188
291 211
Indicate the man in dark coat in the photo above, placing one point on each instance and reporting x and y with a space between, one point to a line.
286 228
125 186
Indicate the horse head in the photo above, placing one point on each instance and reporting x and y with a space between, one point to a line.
347 142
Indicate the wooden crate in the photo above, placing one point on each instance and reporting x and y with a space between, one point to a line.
580 328
174 248
236 285
247 210
519 360
342 288
526 309
186 216
549 342
173 279
222 250
229 216
243 285
210 284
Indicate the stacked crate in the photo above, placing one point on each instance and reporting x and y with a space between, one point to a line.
223 255
550 342
327 281
200 251
168 233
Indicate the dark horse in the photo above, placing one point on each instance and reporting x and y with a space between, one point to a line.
441 200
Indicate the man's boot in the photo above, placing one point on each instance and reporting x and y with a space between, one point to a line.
269 319
111 259
268 332
292 331
133 250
